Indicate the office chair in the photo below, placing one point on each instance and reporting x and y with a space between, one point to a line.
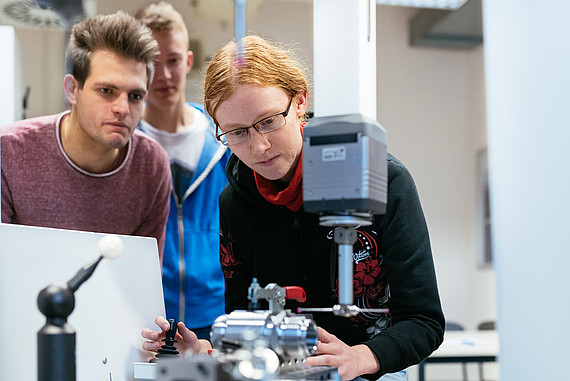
486 325
452 326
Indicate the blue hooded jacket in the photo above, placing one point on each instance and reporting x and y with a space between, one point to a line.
192 279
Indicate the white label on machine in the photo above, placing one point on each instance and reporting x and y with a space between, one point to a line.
334 153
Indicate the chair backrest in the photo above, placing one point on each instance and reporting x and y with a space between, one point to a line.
486 326
453 326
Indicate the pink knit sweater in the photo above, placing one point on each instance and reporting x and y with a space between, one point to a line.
41 186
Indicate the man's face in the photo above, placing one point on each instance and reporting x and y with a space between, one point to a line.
171 68
110 104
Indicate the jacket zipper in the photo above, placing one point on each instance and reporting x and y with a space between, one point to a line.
182 267
182 264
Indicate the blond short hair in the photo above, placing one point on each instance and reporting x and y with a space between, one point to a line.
162 16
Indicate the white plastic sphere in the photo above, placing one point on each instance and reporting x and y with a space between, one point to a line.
111 246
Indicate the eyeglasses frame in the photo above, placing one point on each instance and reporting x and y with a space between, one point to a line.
254 125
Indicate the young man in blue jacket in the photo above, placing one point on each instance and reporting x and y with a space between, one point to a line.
192 278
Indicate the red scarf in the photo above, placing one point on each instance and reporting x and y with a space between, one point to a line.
290 197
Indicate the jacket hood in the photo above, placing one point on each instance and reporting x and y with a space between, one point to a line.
242 180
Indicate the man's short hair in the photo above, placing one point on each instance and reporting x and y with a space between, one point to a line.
162 16
119 33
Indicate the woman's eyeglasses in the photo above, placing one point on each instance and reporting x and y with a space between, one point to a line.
265 125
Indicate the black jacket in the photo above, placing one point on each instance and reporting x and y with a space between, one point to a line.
393 265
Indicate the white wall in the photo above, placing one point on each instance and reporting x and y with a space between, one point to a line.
40 62
431 102
45 76
8 75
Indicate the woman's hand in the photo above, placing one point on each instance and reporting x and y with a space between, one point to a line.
186 339
350 361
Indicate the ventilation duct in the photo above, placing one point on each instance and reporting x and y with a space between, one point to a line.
460 29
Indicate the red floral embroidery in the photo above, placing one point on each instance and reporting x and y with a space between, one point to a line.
364 275
227 258
375 291
228 274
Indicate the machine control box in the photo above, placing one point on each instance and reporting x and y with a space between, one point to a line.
345 165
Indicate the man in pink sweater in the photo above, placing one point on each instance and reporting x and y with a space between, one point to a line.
87 168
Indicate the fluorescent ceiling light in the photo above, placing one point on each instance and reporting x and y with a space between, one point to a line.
436 4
